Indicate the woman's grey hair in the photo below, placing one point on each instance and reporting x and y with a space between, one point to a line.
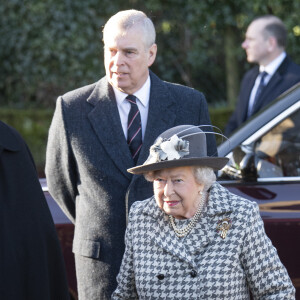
128 19
203 175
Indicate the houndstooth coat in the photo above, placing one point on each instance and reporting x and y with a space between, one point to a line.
159 265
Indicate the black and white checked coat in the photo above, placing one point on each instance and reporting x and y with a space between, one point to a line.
159 265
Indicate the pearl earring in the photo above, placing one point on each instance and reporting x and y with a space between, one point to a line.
200 193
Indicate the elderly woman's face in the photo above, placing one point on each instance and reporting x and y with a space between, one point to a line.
176 192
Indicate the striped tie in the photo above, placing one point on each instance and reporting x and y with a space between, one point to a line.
134 128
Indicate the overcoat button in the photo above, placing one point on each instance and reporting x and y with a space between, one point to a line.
160 276
193 273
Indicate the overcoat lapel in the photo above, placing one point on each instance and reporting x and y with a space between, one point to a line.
161 115
162 236
275 80
200 236
206 230
107 126
8 141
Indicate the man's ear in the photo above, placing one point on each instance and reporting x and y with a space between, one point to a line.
272 43
152 54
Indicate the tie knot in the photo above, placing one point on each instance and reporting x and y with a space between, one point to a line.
263 75
131 99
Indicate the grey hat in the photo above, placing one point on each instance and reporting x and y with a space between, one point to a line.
180 146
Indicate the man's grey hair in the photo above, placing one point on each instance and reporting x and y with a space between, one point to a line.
203 175
127 19
275 28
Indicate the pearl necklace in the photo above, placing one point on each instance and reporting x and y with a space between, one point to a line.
184 231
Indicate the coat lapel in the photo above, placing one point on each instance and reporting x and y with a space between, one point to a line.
266 94
161 115
200 236
205 230
7 140
162 235
107 126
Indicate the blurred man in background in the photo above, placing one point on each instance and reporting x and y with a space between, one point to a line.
275 72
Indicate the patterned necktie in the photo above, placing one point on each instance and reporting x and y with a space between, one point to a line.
134 128
258 92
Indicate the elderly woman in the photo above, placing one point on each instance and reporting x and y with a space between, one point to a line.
194 239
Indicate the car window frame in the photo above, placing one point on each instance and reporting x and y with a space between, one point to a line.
254 137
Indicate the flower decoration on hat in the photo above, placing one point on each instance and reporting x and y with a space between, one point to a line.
171 149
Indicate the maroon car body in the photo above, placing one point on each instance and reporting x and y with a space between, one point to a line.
264 167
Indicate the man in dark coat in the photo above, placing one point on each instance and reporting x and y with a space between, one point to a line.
31 262
275 73
88 155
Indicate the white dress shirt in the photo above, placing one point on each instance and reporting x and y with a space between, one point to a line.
143 97
271 68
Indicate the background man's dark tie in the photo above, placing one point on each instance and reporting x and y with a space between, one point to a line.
258 92
134 128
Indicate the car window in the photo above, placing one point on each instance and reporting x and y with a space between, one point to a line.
278 151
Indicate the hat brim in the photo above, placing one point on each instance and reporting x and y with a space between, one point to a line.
216 163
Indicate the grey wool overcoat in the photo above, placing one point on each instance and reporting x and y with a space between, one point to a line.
159 265
86 169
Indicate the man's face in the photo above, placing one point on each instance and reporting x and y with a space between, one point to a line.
127 59
256 45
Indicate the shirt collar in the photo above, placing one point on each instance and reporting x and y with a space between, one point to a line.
273 66
143 94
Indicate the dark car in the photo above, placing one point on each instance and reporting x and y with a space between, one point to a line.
264 167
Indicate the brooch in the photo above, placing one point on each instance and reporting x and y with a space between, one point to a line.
223 227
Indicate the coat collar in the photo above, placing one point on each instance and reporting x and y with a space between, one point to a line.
161 235
8 138
218 206
274 81
204 232
282 69
218 202
161 116
106 123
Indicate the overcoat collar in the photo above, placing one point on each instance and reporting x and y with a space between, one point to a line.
161 116
8 140
185 248
105 120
